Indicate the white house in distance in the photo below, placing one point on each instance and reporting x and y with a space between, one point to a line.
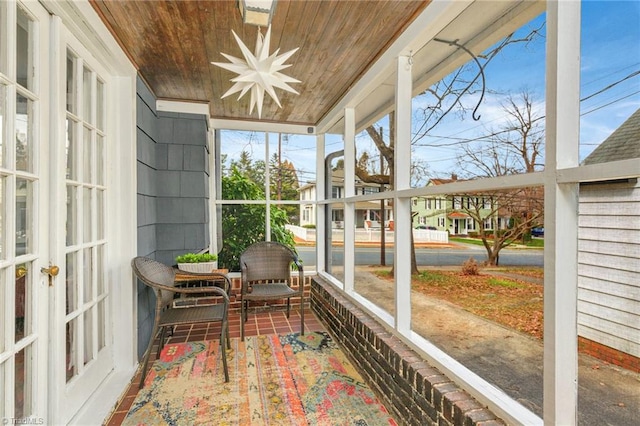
609 255
446 213
367 212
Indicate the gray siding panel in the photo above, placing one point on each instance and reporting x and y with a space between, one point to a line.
172 200
175 159
609 266
170 210
610 247
168 183
192 184
195 158
170 236
623 263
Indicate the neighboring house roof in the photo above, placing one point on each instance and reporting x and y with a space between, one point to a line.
440 181
337 179
306 186
622 144
458 215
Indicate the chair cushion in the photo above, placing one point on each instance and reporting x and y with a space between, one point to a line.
192 314
270 291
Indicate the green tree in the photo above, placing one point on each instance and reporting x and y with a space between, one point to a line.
284 185
244 224
254 170
517 147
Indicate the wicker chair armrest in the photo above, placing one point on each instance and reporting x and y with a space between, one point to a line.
184 277
187 290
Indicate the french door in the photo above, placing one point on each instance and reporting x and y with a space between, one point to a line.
24 201
55 338
81 342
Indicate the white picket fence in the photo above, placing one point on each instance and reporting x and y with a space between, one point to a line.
372 235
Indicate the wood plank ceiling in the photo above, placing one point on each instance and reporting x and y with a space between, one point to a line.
173 42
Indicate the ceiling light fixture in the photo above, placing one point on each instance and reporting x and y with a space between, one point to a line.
257 12
258 73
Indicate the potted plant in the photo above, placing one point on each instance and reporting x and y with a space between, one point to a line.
197 262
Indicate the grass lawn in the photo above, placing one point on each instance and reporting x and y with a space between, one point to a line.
533 243
511 302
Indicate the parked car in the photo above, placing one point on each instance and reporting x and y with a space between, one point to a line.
537 232
432 228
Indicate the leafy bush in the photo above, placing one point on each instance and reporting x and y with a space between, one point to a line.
309 226
244 224
196 258
470 267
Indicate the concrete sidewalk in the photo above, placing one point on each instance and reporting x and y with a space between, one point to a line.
607 395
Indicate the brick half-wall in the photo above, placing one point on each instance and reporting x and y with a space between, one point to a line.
414 392
255 306
608 354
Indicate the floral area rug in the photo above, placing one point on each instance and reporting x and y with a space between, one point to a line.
273 380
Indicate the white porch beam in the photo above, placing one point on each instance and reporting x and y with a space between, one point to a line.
402 206
623 169
349 191
561 214
262 126
184 107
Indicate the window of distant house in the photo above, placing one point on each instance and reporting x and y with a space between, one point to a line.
441 222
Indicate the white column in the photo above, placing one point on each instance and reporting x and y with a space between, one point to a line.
267 186
402 206
349 191
561 217
213 188
321 229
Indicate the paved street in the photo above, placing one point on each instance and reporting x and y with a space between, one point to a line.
453 255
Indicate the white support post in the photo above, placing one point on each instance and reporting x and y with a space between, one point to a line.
561 214
321 229
402 206
349 191
267 191
213 190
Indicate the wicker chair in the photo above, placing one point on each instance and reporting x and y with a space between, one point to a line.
266 275
161 278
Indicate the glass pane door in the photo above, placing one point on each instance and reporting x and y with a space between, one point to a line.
23 183
82 315
84 242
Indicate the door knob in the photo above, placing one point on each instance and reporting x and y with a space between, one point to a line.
51 271
21 271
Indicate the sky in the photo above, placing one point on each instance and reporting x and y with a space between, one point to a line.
609 85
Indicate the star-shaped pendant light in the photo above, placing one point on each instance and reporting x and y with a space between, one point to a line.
258 73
